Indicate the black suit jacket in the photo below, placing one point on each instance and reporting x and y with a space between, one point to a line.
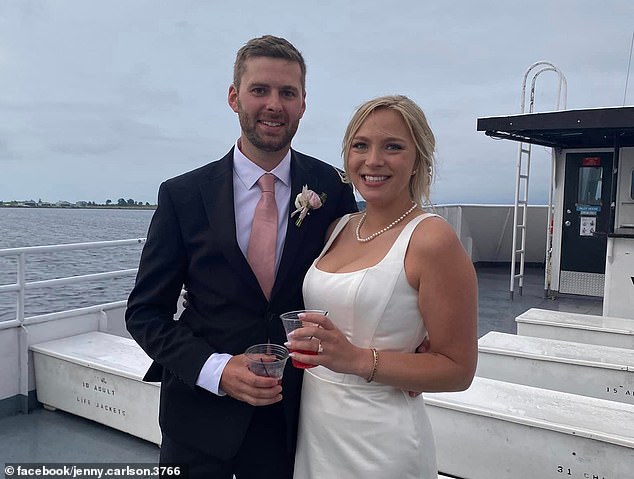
192 242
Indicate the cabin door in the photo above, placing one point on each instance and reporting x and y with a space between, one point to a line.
586 219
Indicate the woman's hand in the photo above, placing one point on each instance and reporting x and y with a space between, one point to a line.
333 349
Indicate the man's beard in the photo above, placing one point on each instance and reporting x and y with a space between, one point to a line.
269 144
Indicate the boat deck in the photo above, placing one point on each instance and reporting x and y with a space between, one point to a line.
497 312
55 436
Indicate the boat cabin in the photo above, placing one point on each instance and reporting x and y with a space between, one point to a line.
591 238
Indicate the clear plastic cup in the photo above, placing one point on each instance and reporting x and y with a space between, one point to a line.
291 322
267 360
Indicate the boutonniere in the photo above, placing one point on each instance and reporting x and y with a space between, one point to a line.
305 201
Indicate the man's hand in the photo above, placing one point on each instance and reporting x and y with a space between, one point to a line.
422 348
241 384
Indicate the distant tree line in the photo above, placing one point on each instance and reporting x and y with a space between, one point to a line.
128 202
121 203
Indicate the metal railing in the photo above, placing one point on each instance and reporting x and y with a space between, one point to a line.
21 286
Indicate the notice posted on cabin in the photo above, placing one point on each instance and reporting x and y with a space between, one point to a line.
588 225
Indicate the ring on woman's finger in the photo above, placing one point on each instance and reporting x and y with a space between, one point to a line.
320 348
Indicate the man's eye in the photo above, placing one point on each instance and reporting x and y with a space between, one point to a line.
258 91
289 94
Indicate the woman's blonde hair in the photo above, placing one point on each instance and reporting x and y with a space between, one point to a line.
414 118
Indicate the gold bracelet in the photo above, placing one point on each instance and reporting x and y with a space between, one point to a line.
375 365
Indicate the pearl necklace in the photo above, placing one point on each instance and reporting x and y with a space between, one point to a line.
383 230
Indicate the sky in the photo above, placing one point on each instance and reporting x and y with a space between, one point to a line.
106 99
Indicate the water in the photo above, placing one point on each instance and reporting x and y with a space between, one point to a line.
43 226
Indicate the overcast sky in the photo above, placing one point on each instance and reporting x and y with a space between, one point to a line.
105 99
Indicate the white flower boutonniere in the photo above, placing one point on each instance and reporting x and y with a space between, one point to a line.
305 201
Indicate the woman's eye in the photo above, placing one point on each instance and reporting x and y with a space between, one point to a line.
358 145
393 146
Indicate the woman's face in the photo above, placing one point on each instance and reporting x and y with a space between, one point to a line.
382 157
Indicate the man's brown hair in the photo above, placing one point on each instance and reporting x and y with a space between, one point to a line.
267 46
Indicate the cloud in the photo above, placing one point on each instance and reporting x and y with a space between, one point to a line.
6 152
137 90
138 93
84 147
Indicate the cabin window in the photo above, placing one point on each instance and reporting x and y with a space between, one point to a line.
590 181
632 184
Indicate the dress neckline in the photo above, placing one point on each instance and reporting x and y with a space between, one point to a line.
341 225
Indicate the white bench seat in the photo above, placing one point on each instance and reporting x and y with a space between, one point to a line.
497 429
580 328
587 369
99 376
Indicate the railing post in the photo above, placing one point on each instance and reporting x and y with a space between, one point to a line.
103 321
23 341
23 337
21 282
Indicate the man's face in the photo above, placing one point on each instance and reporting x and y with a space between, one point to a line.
269 103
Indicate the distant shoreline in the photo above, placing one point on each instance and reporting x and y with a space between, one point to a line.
75 207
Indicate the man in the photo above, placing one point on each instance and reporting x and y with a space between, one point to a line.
216 416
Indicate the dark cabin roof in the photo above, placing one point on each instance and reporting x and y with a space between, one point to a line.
589 128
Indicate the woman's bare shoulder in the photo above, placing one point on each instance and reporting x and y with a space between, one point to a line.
432 236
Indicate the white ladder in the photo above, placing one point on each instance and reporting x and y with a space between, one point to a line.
522 174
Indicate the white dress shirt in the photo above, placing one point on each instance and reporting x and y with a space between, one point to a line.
246 194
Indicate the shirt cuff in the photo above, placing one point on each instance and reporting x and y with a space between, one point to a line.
211 372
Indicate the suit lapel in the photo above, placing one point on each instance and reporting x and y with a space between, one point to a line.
217 196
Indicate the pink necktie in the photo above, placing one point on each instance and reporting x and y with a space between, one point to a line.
263 240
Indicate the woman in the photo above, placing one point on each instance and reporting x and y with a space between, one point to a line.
387 277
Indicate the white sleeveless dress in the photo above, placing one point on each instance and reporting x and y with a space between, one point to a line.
349 428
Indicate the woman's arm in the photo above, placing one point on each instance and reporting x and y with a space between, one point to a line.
437 266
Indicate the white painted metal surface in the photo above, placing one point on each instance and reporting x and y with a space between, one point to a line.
580 328
625 200
619 286
10 363
587 369
486 231
497 429
99 376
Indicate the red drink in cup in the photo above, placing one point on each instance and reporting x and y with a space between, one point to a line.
299 364
291 322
